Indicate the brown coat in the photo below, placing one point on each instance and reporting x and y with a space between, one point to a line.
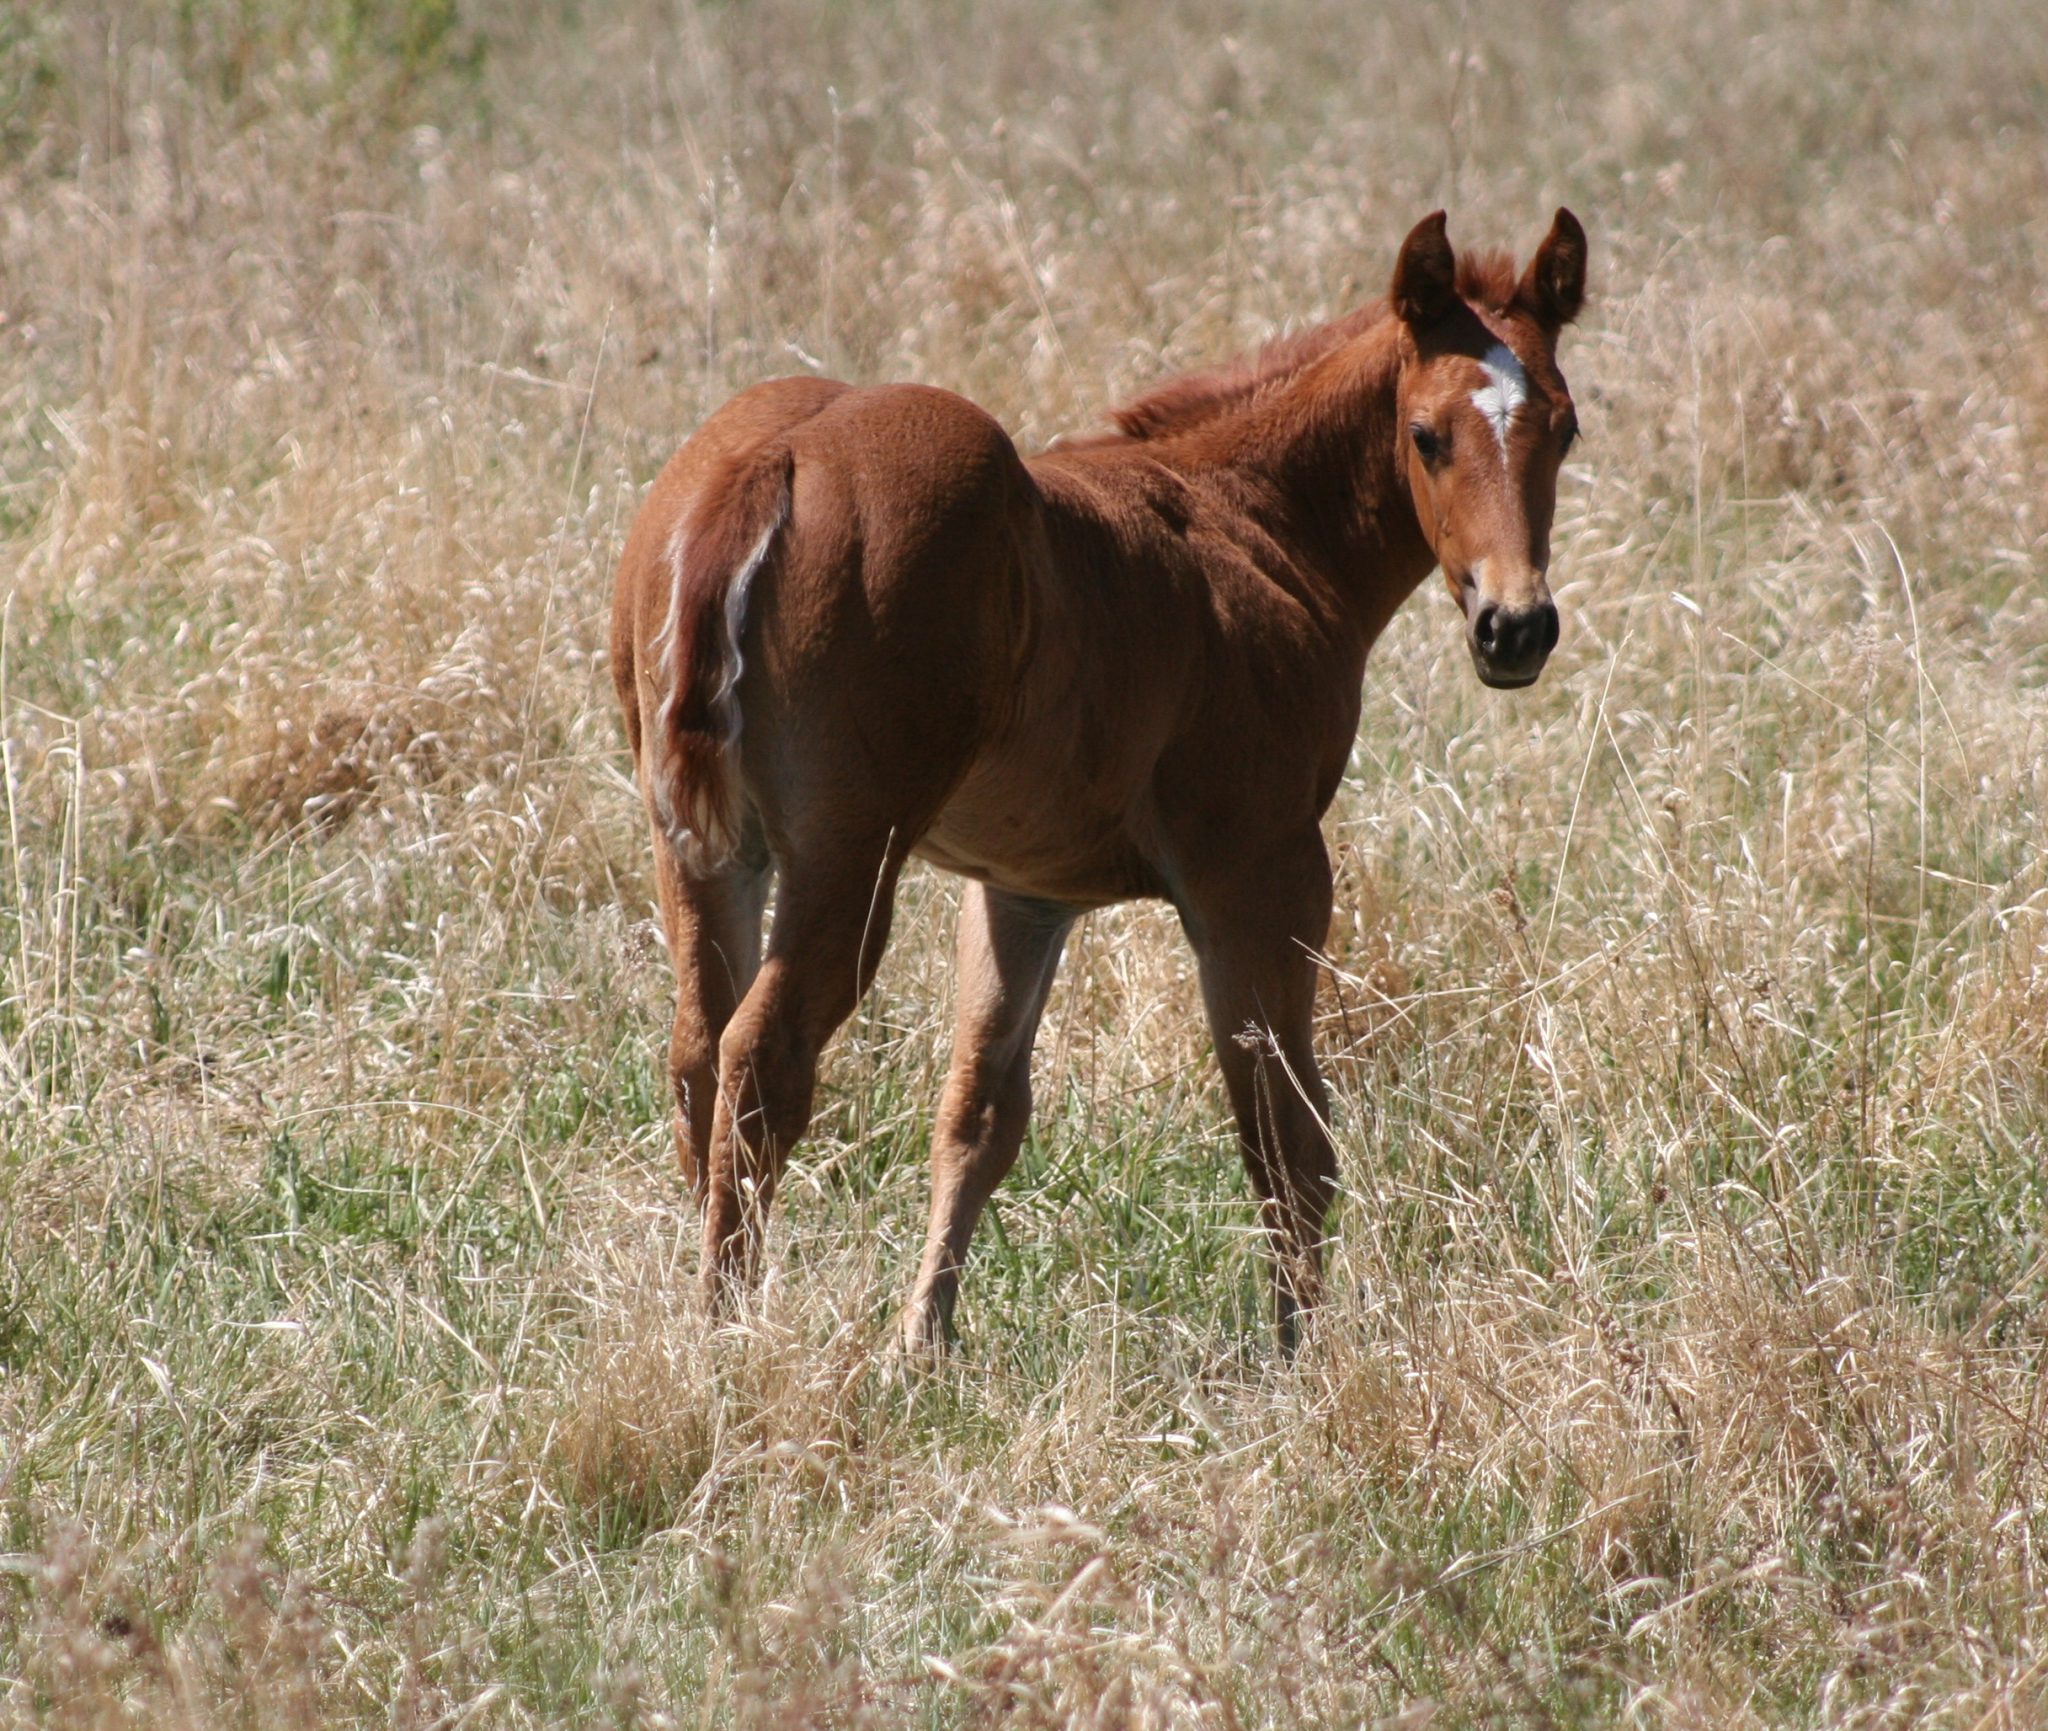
855 625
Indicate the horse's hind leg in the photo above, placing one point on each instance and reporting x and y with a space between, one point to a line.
713 925
825 941
1009 950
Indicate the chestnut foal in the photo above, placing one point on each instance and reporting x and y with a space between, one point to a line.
853 625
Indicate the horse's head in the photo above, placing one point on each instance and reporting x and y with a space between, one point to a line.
1485 421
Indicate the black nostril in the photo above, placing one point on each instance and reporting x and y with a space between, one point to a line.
1514 637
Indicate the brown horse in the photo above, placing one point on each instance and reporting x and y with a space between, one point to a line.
854 625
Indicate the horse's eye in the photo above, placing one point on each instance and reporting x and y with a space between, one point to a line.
1427 445
1571 438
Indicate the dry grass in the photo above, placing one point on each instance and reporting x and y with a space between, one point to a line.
1688 1016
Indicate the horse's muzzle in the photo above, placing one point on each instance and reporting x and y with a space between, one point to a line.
1510 644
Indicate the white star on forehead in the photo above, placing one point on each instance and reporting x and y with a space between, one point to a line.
1506 390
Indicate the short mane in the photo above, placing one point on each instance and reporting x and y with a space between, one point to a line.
1194 398
1487 279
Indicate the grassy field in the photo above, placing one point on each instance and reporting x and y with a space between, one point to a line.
1687 1016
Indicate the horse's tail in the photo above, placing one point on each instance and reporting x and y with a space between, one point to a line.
717 549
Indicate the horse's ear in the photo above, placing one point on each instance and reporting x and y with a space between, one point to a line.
1426 274
1553 288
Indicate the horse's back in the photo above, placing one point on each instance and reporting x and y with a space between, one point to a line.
911 519
931 506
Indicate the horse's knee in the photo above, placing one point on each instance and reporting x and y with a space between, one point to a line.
986 1104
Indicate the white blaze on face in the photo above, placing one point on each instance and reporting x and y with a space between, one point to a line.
1506 390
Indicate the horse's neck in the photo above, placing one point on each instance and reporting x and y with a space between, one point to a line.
1319 461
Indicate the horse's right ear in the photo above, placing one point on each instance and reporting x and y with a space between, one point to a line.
1426 274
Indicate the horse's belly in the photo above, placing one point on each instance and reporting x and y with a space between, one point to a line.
1022 840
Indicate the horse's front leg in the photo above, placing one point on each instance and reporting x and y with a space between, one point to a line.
1257 932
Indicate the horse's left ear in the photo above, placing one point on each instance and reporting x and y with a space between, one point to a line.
1553 288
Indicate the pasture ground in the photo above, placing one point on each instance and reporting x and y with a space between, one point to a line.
1687 1017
